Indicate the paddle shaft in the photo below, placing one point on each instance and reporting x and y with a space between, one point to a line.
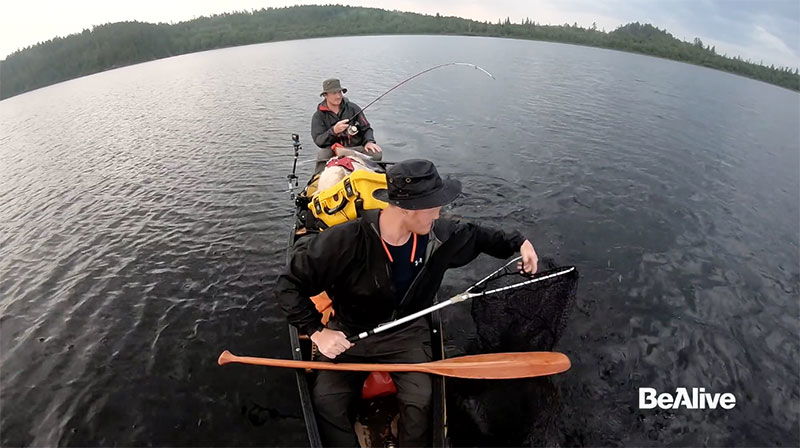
486 366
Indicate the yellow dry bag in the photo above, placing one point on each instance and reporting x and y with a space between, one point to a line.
347 199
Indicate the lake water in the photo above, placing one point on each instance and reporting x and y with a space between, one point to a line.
144 217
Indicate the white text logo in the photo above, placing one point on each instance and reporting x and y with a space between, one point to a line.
698 398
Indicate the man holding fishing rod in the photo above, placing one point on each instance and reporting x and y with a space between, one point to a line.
379 268
338 121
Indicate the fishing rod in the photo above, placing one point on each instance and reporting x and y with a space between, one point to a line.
470 293
353 128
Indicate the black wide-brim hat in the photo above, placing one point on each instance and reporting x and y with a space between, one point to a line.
415 184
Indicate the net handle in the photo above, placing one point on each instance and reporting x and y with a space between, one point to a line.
455 299
488 277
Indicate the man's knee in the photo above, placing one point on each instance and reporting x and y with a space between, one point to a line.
414 389
323 397
334 418
333 408
416 400
333 387
415 419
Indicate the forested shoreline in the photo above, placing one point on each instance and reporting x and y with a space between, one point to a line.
116 45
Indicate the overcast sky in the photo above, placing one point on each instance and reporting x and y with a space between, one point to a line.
759 30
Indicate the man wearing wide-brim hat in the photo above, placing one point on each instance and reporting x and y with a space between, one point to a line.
339 121
385 265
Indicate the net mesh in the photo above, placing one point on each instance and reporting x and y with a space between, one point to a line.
528 318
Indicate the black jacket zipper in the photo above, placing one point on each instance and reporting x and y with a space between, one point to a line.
427 256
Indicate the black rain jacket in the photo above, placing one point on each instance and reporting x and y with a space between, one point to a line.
349 262
323 120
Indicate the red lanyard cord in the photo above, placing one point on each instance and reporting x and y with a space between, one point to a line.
413 249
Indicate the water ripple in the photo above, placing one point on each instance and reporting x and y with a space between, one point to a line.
144 214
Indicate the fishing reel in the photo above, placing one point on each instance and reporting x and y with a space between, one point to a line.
354 125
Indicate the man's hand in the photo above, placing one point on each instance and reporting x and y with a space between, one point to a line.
530 261
331 343
372 147
340 126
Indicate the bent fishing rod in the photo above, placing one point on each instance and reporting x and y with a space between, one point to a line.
353 128
470 293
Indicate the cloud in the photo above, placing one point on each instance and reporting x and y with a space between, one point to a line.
754 40
771 48
26 23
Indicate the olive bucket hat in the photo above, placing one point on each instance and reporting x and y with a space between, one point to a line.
331 86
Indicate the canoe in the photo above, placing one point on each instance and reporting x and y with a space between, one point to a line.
537 323
376 417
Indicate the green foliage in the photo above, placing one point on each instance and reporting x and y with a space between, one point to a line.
118 44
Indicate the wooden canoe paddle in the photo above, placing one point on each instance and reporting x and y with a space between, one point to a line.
485 366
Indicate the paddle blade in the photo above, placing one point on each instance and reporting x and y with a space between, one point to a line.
502 365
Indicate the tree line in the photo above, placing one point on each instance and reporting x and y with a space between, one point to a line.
115 45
